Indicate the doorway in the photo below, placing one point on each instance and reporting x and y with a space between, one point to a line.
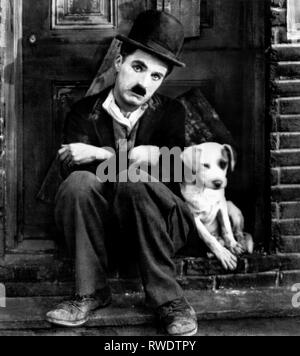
63 43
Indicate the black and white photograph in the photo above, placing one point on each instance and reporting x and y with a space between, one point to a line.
149 170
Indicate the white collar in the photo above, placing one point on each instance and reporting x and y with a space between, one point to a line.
114 111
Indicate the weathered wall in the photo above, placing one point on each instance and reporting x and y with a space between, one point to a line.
285 137
2 116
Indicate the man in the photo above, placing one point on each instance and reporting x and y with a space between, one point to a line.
153 221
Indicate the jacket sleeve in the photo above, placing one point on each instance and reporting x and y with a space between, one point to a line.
172 136
172 129
77 130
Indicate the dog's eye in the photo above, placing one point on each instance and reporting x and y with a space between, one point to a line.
206 165
223 165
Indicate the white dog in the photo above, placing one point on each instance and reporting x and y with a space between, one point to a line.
206 167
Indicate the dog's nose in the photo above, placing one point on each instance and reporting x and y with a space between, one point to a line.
217 183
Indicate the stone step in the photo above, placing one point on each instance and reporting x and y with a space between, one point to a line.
29 313
60 270
281 326
193 273
269 279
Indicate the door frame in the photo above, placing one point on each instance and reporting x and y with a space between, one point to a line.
13 93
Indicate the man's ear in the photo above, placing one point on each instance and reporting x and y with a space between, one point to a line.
118 62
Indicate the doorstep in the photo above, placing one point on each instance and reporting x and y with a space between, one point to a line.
32 275
129 310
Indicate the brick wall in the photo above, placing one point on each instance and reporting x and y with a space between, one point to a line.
2 116
285 136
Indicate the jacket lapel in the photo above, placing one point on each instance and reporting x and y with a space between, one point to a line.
148 123
104 129
103 123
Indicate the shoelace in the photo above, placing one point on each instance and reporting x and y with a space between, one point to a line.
175 308
75 302
82 298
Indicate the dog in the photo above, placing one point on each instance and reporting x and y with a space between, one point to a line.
203 187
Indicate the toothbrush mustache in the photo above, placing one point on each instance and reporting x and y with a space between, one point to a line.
139 90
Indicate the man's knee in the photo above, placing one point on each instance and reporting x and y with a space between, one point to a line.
136 183
79 184
131 190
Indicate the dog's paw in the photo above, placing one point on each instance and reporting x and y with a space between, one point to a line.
228 260
236 248
245 240
210 255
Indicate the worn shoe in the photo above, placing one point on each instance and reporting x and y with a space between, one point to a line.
178 318
76 312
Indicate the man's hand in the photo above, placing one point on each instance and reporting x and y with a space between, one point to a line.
80 153
144 155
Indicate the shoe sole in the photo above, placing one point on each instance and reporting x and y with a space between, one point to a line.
190 333
74 324
70 324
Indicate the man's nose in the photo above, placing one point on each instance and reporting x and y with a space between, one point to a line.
144 81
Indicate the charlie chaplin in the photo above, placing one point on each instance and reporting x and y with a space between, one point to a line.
151 218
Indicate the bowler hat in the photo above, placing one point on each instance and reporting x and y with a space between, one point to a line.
157 33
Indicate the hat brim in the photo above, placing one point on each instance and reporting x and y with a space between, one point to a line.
163 56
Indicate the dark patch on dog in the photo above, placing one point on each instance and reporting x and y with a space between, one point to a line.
223 163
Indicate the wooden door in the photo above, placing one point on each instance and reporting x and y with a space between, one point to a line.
63 44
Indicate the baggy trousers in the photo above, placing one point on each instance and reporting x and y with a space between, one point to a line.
152 221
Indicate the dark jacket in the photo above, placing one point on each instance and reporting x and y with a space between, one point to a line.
162 125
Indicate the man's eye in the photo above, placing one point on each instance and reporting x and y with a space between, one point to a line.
137 68
206 165
156 77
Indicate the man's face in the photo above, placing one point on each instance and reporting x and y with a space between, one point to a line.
139 76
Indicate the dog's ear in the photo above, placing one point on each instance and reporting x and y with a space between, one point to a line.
231 156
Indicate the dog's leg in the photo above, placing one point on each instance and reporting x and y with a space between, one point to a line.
237 220
238 224
227 233
227 259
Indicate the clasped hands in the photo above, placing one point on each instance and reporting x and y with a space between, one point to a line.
81 153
